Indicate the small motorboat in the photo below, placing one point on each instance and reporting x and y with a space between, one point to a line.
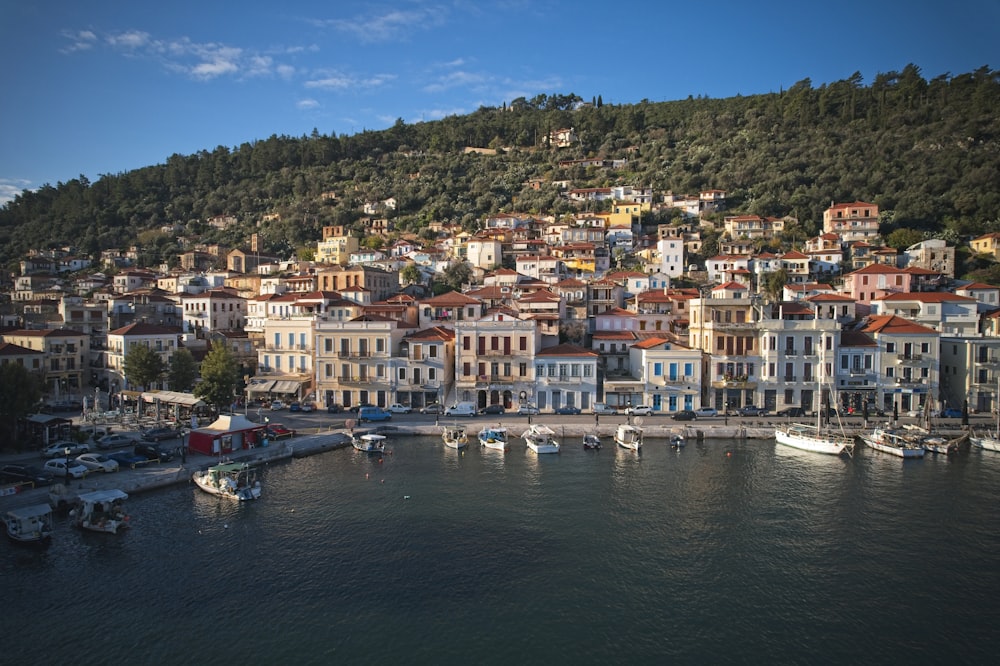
370 444
232 480
677 441
30 525
591 442
101 511
454 436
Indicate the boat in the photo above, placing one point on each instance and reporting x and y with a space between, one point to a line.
101 511
629 436
232 480
493 437
677 441
370 444
30 525
541 439
944 445
454 436
591 441
989 442
893 443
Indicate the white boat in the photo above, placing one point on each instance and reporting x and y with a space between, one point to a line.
934 444
101 511
677 441
591 441
629 436
812 438
454 436
494 437
30 525
893 443
541 439
990 442
232 480
371 444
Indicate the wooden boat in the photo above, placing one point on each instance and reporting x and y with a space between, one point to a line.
493 437
629 436
454 436
30 525
232 480
591 441
541 439
893 443
101 511
370 444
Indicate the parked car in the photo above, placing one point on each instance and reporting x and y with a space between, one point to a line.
493 409
160 434
279 431
373 414
706 412
461 409
98 462
751 410
25 474
57 468
639 410
602 408
334 408
433 408
58 449
791 411
277 405
308 407
153 451
128 459
684 415
397 408
566 409
295 407
114 440
527 410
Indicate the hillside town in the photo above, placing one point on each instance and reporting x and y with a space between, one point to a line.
556 313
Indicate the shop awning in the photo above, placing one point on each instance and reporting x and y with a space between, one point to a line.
173 398
285 386
260 385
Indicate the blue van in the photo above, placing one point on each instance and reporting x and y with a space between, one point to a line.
373 414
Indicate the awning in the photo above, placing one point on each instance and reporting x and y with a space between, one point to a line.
285 386
260 385
173 398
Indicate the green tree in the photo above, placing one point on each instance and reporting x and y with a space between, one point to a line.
774 284
20 392
904 238
220 374
410 274
183 370
457 274
143 366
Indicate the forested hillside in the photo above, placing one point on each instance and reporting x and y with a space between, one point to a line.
926 151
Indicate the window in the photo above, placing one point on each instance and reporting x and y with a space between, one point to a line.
657 369
401 375
466 342
522 369
890 347
329 370
328 344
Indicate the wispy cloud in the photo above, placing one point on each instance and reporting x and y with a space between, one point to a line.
339 81
307 104
202 61
392 24
457 79
10 188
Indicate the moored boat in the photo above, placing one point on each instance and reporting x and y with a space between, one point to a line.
887 441
629 436
541 439
812 438
988 442
493 437
943 445
454 436
232 480
30 525
371 444
101 511
591 441
677 441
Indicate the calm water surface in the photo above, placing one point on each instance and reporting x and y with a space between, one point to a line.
721 553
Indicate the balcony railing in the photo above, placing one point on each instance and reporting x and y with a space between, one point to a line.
790 352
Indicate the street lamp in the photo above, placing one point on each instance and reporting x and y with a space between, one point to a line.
67 451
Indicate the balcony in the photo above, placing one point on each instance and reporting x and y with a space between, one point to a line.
485 381
738 382
678 380
733 325
910 381
498 352
790 352
352 380
988 360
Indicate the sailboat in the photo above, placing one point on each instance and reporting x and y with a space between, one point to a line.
812 437
991 440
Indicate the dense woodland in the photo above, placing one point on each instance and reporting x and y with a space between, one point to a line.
926 151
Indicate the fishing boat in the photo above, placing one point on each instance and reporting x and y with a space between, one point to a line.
493 437
541 439
943 445
371 444
30 525
629 436
454 436
591 441
101 511
232 480
677 441
893 443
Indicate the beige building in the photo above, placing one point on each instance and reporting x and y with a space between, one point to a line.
65 366
908 362
163 340
357 361
494 360
336 246
426 370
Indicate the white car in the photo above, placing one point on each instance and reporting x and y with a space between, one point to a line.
277 405
57 468
397 408
706 411
527 410
98 462
58 449
639 410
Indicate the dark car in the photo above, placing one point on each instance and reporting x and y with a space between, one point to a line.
750 410
493 409
568 410
791 411
25 474
295 407
334 408
684 415
153 451
159 434
127 459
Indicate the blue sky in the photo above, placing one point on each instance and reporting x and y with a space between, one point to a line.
96 87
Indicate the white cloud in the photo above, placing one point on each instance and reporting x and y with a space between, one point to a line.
338 81
81 40
393 24
10 188
133 40
307 104
456 79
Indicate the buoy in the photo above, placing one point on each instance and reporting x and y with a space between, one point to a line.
406 497
366 476
383 480
729 454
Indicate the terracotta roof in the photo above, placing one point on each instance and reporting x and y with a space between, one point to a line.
142 328
451 298
10 349
794 254
649 343
978 285
439 333
614 335
856 339
849 205
566 349
876 268
894 325
928 297
830 298
731 286
917 270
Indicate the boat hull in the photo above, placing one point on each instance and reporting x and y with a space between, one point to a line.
987 443
544 447
242 494
893 448
628 437
800 439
